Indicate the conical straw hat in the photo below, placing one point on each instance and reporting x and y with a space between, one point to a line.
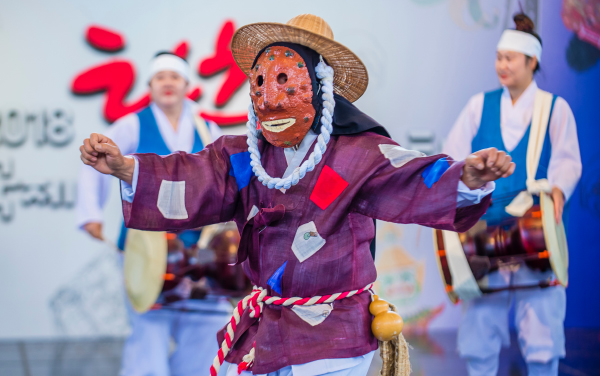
350 74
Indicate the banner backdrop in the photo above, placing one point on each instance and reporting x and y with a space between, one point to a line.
70 68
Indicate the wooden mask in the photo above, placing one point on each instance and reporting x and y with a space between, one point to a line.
281 92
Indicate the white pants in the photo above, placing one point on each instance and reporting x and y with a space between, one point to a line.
357 366
539 318
147 350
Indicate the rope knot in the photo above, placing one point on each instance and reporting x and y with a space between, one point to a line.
256 302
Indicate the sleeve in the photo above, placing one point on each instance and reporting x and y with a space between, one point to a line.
467 196
421 190
128 190
565 167
458 142
92 193
182 191
93 187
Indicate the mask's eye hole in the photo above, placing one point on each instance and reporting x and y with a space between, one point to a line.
282 78
259 80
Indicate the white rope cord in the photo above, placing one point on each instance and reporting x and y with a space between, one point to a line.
325 74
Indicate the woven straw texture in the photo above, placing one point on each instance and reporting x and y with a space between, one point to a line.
350 74
394 354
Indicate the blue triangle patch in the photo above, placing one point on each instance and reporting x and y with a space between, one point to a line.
275 280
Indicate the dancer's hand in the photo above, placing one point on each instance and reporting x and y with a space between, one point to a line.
559 203
94 229
104 155
486 165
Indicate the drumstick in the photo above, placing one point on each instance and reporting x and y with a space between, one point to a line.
541 284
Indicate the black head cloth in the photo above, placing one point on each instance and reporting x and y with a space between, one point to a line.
347 119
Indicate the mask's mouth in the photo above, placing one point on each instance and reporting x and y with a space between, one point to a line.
279 125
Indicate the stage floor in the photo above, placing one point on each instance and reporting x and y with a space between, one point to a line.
434 354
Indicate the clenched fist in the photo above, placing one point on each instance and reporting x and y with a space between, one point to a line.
104 155
486 165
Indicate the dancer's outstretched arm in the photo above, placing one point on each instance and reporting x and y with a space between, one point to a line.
425 190
173 192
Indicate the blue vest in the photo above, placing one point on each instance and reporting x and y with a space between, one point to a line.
490 135
151 141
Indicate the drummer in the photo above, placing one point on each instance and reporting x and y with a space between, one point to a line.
501 119
165 126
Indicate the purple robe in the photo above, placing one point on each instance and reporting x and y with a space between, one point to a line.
364 184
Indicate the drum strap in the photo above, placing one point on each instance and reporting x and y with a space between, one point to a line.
203 131
542 107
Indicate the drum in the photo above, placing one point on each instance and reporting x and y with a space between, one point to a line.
156 264
466 259
144 267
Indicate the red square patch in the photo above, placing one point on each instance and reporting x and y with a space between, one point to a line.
329 186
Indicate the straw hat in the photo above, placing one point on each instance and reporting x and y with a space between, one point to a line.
350 74
144 267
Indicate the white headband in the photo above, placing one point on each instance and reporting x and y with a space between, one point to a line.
169 62
519 41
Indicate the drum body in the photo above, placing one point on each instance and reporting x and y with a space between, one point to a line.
161 268
465 259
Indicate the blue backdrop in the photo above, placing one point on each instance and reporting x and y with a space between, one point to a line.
571 69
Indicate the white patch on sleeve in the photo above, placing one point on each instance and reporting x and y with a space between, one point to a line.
254 211
398 155
171 199
314 314
307 241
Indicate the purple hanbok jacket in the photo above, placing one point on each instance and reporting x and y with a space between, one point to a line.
311 240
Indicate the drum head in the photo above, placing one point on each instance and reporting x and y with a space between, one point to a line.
144 267
456 272
556 240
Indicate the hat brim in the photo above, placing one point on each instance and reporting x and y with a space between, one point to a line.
350 74
144 267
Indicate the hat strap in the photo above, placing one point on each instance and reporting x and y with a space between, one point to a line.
325 74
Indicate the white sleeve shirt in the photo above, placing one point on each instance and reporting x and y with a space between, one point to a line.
93 187
565 167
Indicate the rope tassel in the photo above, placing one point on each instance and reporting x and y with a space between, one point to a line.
247 361
393 348
394 354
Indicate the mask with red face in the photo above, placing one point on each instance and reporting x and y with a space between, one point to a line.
282 95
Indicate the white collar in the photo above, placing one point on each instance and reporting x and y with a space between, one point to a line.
186 111
294 157
526 98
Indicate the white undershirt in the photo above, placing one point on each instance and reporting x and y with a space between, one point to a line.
564 170
93 187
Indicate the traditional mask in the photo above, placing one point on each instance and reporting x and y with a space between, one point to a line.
281 92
